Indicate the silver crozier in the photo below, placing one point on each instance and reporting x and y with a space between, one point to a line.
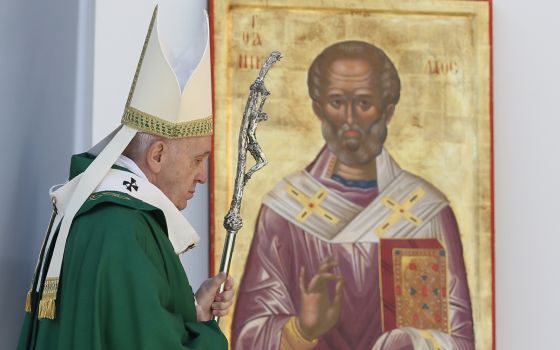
252 115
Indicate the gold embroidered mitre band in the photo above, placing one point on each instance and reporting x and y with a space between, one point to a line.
153 125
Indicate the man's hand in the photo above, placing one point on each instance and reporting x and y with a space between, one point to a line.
318 313
210 302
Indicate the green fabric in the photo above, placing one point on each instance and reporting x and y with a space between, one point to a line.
122 286
80 162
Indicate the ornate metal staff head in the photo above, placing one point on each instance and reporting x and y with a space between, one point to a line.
252 115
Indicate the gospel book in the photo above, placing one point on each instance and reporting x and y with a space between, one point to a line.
413 275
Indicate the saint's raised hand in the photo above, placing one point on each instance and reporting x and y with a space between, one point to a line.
318 313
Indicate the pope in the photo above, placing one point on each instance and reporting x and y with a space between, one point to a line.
109 275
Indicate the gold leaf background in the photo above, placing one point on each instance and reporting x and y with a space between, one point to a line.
441 129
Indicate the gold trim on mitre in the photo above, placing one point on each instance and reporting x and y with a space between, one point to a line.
142 54
153 125
156 102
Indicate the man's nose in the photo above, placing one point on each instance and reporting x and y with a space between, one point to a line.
202 174
349 112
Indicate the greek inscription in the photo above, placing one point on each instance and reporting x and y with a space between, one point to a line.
251 38
438 67
249 61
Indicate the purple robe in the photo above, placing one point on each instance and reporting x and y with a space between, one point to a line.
269 292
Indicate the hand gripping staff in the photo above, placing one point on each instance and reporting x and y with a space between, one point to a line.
252 115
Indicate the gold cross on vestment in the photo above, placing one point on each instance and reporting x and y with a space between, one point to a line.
400 211
311 205
426 334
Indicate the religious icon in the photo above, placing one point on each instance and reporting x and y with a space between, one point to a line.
372 226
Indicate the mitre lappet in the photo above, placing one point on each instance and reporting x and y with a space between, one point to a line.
170 97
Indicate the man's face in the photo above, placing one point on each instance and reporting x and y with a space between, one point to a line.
354 122
184 168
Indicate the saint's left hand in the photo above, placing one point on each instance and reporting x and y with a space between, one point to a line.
210 301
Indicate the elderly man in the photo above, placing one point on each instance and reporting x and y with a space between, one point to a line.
313 277
108 275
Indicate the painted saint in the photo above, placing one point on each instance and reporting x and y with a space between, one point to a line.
354 252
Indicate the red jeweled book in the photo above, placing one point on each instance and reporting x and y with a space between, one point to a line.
413 275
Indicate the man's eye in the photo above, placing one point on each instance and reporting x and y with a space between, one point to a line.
336 103
364 104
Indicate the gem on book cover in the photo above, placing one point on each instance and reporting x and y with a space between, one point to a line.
418 278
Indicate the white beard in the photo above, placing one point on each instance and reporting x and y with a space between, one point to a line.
355 151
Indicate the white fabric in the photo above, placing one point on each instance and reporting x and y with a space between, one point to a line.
50 234
442 341
60 194
196 97
357 224
387 169
125 162
158 91
180 232
361 229
79 192
282 202
182 51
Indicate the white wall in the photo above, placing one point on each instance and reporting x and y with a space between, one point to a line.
120 30
527 160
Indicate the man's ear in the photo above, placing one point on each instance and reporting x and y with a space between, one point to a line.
389 111
317 110
156 155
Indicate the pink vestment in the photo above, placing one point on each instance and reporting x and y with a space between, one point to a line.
269 292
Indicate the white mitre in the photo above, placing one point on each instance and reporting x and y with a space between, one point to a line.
164 101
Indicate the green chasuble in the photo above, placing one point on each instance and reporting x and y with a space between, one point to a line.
122 286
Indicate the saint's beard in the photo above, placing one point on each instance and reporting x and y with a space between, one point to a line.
354 151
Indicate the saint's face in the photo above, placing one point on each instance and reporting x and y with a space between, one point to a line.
354 123
184 168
